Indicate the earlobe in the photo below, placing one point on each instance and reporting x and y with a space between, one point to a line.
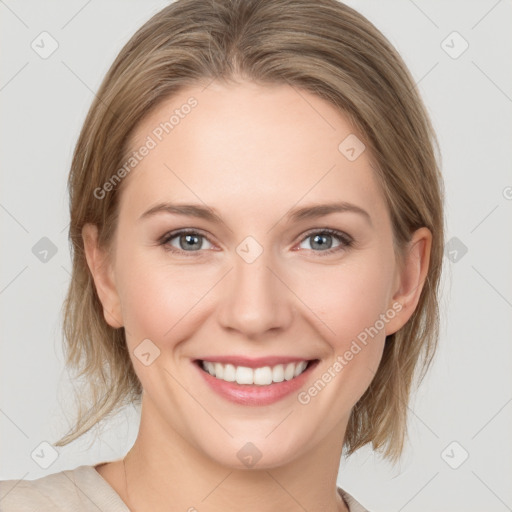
411 278
101 271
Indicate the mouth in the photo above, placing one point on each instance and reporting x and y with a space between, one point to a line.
252 375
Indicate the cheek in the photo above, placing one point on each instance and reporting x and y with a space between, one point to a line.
159 300
351 300
348 297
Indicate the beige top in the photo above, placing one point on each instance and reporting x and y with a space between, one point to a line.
81 489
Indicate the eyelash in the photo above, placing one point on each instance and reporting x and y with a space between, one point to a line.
346 241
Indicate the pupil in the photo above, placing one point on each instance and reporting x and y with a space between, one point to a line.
190 240
316 237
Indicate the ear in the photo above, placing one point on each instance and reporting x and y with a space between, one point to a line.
410 278
101 270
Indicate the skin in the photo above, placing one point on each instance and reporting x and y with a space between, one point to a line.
252 153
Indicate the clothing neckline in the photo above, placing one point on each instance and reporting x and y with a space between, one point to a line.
115 503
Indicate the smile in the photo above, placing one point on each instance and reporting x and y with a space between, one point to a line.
255 382
263 376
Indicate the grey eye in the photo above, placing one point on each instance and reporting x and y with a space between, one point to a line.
187 241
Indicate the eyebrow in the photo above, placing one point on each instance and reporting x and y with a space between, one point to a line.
296 214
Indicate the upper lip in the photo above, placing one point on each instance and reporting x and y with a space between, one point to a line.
254 362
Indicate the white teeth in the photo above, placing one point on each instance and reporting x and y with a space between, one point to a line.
219 370
289 371
278 373
209 367
243 375
300 368
260 376
263 376
229 373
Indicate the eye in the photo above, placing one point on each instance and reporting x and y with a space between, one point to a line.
323 240
187 240
190 241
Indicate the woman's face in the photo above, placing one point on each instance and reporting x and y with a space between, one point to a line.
257 282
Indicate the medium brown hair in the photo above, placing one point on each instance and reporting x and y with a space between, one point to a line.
323 47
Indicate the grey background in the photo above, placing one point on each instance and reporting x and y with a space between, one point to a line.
467 396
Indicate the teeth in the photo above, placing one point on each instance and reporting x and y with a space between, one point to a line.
300 368
259 376
278 373
219 370
229 373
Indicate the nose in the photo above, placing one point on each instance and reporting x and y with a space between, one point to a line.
255 299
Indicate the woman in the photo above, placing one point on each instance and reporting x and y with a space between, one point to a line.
257 230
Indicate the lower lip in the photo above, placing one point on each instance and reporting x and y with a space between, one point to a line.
252 394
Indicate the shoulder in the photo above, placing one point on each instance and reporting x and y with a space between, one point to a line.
81 489
53 492
352 504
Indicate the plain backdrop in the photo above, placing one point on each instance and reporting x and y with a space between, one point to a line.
459 52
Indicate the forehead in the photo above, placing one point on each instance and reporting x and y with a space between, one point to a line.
256 147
